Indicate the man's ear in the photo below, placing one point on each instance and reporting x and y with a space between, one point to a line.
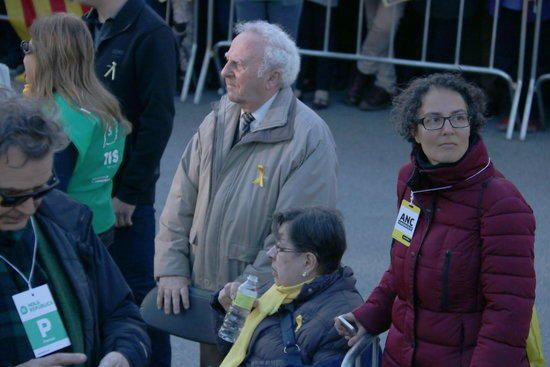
274 80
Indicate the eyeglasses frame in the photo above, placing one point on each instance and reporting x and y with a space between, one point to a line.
445 119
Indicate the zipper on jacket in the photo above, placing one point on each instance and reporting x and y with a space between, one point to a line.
429 214
445 281
462 337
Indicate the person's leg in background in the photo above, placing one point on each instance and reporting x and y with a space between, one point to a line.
133 251
285 13
306 38
377 43
323 66
248 10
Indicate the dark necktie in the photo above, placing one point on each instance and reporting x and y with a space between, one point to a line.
246 120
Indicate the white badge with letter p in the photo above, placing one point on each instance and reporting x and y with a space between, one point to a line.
41 320
405 224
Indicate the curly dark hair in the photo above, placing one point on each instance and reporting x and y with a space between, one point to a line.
407 104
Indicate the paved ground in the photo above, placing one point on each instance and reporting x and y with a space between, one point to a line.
370 154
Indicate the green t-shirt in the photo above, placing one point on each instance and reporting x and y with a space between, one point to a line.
100 154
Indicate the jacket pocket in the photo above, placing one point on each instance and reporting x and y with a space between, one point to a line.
445 281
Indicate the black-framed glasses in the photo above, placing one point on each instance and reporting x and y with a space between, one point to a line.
10 201
26 47
458 121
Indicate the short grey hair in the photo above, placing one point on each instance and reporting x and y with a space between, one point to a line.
280 50
27 125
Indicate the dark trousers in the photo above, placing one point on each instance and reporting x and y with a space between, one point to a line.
287 16
133 251
312 33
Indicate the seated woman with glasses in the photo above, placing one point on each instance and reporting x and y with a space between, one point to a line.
311 288
59 69
460 288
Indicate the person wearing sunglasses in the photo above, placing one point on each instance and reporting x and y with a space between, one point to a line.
460 288
59 69
63 301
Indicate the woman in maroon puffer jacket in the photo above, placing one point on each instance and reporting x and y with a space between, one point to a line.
461 291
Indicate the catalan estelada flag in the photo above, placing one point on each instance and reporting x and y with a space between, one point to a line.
21 13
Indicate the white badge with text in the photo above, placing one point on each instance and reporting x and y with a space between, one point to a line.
41 320
405 223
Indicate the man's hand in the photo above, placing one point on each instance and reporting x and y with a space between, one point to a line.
227 294
123 213
114 359
350 337
57 359
170 291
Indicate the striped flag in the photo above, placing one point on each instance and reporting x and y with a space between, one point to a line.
21 13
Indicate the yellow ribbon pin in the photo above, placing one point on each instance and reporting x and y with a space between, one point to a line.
261 176
299 320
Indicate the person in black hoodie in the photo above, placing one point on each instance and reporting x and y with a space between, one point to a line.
136 60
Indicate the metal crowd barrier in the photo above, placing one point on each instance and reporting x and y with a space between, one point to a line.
354 356
192 51
534 83
515 84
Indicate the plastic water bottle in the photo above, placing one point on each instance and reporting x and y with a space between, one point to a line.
239 310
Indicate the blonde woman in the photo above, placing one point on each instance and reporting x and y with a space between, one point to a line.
59 68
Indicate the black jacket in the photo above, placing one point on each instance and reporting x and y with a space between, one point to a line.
144 50
110 318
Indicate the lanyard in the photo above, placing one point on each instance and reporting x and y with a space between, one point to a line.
27 280
450 186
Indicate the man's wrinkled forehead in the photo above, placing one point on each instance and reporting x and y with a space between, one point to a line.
246 47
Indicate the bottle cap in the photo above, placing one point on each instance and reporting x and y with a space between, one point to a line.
252 278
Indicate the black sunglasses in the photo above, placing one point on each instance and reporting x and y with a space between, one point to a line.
26 47
10 201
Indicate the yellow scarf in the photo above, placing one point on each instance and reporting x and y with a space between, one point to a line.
268 304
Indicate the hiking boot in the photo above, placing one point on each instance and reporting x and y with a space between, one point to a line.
375 99
358 86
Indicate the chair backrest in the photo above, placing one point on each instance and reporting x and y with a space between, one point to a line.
365 353
5 80
196 323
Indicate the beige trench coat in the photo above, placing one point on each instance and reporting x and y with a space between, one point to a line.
216 225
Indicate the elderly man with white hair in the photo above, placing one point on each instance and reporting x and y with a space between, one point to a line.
259 151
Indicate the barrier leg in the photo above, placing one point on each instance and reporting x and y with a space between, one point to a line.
193 56
514 110
519 82
527 110
202 76
207 53
188 74
542 116
534 64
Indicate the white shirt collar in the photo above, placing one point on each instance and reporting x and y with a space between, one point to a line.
260 113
